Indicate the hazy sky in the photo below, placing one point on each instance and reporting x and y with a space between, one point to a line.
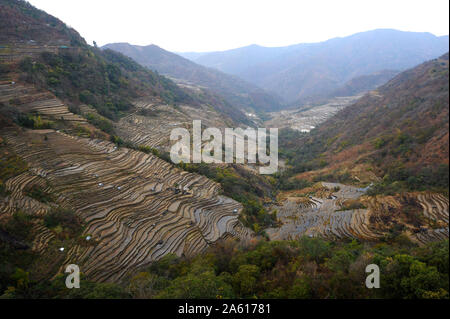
207 25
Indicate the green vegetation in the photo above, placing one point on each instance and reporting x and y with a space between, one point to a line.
287 183
18 224
63 221
33 122
148 150
23 287
307 268
10 165
302 152
39 194
398 179
105 80
102 123
14 247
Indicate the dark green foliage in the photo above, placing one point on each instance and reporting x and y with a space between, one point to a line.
19 225
104 124
33 122
10 165
308 268
148 150
23 287
15 249
106 80
39 194
301 151
25 121
286 183
64 219
399 179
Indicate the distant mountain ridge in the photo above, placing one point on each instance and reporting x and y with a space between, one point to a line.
364 83
302 72
234 90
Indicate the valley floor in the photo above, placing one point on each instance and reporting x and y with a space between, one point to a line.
326 212
306 118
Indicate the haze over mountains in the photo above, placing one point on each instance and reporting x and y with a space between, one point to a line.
236 91
305 72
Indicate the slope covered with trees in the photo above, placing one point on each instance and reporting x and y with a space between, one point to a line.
236 91
304 269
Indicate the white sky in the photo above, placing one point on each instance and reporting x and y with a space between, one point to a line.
209 25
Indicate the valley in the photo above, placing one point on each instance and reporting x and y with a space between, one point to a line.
86 177
308 117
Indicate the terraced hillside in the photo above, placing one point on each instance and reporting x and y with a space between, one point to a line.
328 214
17 51
307 118
28 99
152 121
396 137
136 207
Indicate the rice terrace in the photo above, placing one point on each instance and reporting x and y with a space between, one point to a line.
214 168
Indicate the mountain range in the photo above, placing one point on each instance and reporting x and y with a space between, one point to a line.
237 92
86 180
304 72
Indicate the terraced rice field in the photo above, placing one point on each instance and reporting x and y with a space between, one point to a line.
152 123
305 119
136 207
18 51
324 217
319 217
435 207
28 99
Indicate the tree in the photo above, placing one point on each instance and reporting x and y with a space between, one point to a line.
245 280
